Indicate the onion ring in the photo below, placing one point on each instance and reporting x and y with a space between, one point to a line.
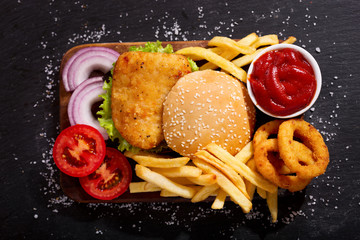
271 168
265 130
81 101
79 67
312 139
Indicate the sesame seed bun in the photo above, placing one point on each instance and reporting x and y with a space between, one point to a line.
208 106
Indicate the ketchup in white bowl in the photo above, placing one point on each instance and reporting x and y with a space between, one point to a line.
284 81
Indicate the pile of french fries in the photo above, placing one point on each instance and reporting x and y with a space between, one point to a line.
230 55
212 171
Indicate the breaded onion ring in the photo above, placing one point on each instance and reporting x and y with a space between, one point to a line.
270 167
265 130
263 133
312 139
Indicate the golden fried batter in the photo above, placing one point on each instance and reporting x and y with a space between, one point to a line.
141 82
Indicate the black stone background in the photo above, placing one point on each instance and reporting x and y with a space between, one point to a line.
34 36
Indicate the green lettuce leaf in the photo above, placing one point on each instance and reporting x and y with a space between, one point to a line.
153 47
193 65
157 47
105 118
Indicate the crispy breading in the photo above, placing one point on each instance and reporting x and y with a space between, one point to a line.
141 82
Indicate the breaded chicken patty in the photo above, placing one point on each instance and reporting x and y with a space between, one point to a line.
141 82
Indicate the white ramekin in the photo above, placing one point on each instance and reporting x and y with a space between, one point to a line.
312 62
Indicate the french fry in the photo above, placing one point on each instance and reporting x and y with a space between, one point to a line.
261 41
163 182
237 196
216 59
290 40
181 180
203 179
270 39
138 187
184 171
254 177
204 193
272 202
246 153
219 200
158 161
225 169
246 41
246 59
250 188
217 50
261 192
231 45
249 39
167 193
229 54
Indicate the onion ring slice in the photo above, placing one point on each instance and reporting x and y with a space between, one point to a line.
265 130
312 139
271 168
79 67
81 101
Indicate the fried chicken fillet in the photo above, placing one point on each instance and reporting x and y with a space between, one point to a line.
141 81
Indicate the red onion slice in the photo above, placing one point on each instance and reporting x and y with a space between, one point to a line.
81 101
79 67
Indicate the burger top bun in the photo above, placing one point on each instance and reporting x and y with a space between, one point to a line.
208 106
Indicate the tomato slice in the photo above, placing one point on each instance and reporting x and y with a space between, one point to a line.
111 179
79 150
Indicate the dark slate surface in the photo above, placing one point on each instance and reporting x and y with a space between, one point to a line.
35 35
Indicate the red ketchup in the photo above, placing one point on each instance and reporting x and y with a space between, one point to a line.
282 81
